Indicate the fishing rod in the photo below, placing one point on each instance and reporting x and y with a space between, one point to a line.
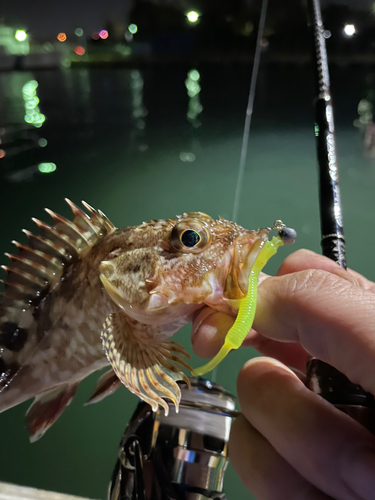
322 378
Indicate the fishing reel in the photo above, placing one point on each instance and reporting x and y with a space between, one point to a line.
335 387
180 457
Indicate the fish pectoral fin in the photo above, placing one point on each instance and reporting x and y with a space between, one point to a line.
147 366
107 384
46 409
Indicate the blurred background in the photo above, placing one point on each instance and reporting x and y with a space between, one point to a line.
138 108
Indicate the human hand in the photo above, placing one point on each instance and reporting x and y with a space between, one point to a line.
289 443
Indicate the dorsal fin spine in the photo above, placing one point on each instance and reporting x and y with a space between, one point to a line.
19 288
66 225
99 219
54 249
39 256
32 266
82 217
32 278
108 223
69 245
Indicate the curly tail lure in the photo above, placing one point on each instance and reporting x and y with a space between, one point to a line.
245 317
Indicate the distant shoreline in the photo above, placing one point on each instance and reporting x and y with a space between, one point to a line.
283 58
268 58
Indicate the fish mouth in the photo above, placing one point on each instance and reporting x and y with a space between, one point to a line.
243 253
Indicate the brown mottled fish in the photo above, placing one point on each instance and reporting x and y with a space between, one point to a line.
82 294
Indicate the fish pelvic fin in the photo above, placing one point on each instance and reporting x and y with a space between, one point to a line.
107 384
147 366
46 409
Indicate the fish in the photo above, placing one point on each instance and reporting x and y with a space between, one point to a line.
82 294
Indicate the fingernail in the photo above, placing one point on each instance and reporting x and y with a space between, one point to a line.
270 361
204 314
358 472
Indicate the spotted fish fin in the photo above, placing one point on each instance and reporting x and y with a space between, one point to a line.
106 385
34 271
46 409
147 366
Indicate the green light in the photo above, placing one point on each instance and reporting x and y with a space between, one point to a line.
29 87
20 35
42 142
78 32
133 28
32 103
192 16
32 112
194 75
187 157
47 168
193 87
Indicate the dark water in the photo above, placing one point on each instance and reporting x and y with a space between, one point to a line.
121 140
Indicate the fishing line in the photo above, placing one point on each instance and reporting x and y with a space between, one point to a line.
246 131
249 111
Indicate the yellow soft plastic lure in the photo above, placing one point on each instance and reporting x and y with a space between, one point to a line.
245 317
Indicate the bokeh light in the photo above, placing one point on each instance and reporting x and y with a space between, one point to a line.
42 142
78 32
192 84
187 157
47 167
2 153
33 116
95 35
133 28
192 16
349 29
103 34
20 35
194 75
195 107
61 37
79 50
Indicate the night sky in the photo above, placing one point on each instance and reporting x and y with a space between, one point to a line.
45 18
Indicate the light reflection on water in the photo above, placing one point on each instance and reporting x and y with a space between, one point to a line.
139 110
194 109
136 144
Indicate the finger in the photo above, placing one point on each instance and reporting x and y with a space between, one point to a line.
262 470
331 318
291 353
210 328
208 331
303 259
324 445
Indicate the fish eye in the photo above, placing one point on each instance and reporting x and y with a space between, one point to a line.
190 238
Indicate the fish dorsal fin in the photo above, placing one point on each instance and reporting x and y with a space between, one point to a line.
147 366
37 268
